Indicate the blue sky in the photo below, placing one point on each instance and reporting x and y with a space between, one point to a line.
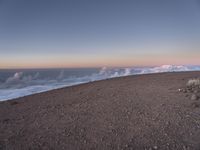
89 33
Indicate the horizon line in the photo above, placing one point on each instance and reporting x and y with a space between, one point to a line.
93 67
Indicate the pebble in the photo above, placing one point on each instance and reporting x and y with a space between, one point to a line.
184 148
184 91
126 145
167 123
85 141
155 147
82 130
195 105
194 97
187 95
180 90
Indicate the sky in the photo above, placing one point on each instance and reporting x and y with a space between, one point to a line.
96 33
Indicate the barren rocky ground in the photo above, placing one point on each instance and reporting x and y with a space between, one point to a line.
155 111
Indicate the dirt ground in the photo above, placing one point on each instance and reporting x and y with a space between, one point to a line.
127 113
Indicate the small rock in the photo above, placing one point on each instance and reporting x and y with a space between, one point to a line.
155 147
184 148
196 105
6 120
167 123
194 97
85 141
189 89
126 145
184 91
82 130
198 95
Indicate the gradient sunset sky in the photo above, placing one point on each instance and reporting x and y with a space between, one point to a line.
95 33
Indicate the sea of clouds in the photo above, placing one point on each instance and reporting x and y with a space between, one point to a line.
20 84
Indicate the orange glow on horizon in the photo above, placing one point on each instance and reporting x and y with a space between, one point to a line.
90 61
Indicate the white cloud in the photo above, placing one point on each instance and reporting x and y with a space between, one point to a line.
20 84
